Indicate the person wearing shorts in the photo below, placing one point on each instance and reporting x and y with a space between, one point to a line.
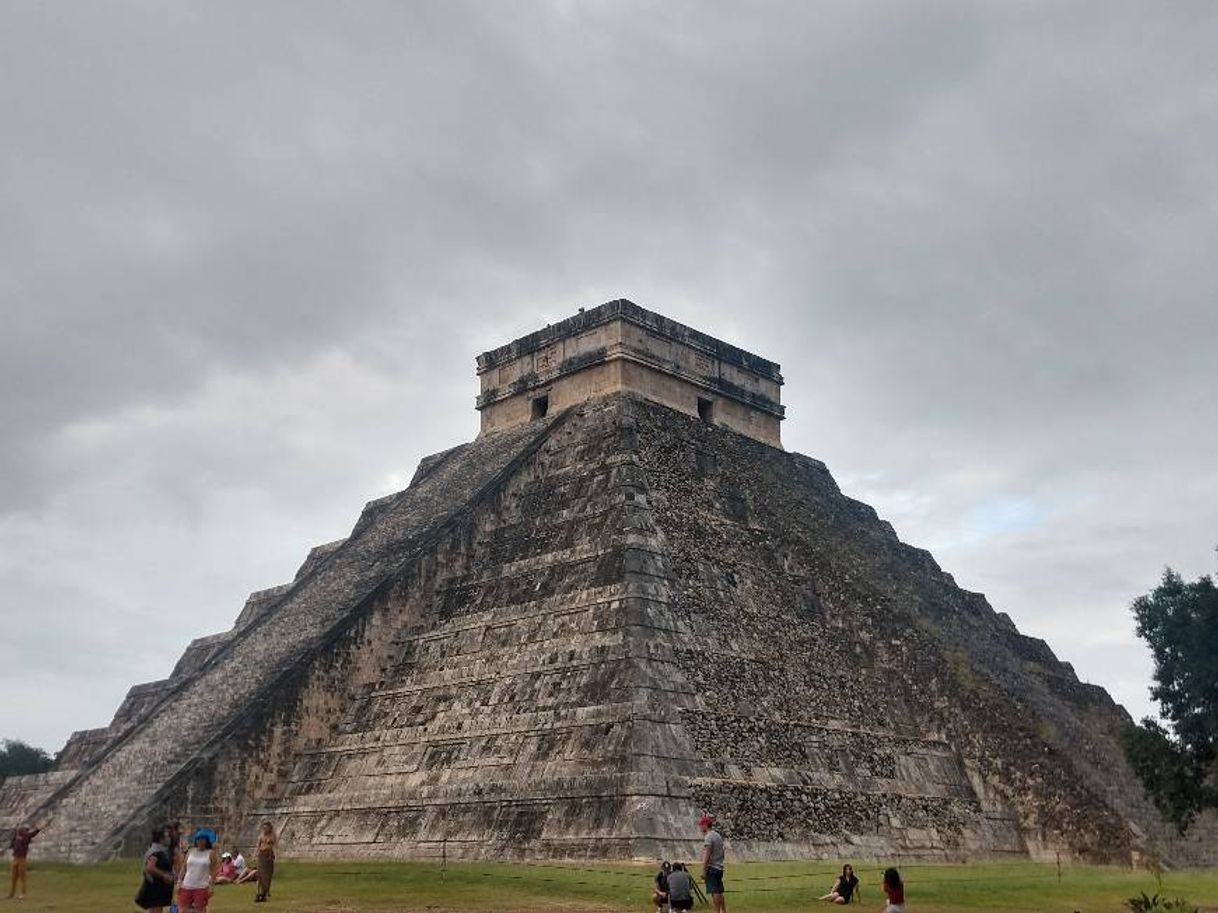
199 870
712 862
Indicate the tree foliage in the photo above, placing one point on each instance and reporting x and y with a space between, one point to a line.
1178 763
16 758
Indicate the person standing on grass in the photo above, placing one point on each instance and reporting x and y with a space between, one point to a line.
199 870
712 862
20 847
156 889
894 890
267 841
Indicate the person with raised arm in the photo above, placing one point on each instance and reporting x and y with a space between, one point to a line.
19 846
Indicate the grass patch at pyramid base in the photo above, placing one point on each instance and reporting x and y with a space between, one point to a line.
469 887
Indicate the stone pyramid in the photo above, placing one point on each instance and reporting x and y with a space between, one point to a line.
623 604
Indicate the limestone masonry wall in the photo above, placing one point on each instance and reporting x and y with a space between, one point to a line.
96 812
569 638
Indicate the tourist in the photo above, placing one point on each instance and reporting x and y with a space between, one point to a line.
894 890
844 890
266 861
228 869
680 888
244 872
199 871
659 892
156 888
20 848
712 862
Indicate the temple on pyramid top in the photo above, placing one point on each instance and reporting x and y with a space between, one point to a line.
620 346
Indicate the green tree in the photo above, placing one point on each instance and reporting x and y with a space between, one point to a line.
1178 763
16 758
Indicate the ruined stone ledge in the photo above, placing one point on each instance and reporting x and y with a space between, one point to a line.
529 565
618 712
317 554
558 604
550 520
897 743
430 463
483 795
622 309
627 352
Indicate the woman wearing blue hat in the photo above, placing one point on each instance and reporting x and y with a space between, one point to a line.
199 873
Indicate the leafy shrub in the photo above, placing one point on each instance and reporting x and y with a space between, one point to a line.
1156 904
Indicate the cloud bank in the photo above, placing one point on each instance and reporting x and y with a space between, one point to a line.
247 255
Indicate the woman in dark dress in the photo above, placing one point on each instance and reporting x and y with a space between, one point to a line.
156 890
843 891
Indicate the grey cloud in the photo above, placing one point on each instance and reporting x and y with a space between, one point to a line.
249 252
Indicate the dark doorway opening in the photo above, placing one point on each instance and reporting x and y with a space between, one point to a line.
706 410
541 405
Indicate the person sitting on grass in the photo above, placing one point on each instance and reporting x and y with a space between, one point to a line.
244 872
228 870
894 890
659 891
844 890
680 888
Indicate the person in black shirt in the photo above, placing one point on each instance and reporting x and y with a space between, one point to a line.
845 889
659 893
156 889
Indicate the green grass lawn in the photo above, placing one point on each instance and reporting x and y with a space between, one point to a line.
338 887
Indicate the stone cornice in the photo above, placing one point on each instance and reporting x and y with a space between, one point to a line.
622 309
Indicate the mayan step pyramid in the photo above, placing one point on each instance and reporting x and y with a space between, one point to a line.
621 605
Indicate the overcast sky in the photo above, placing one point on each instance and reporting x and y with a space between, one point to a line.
248 252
